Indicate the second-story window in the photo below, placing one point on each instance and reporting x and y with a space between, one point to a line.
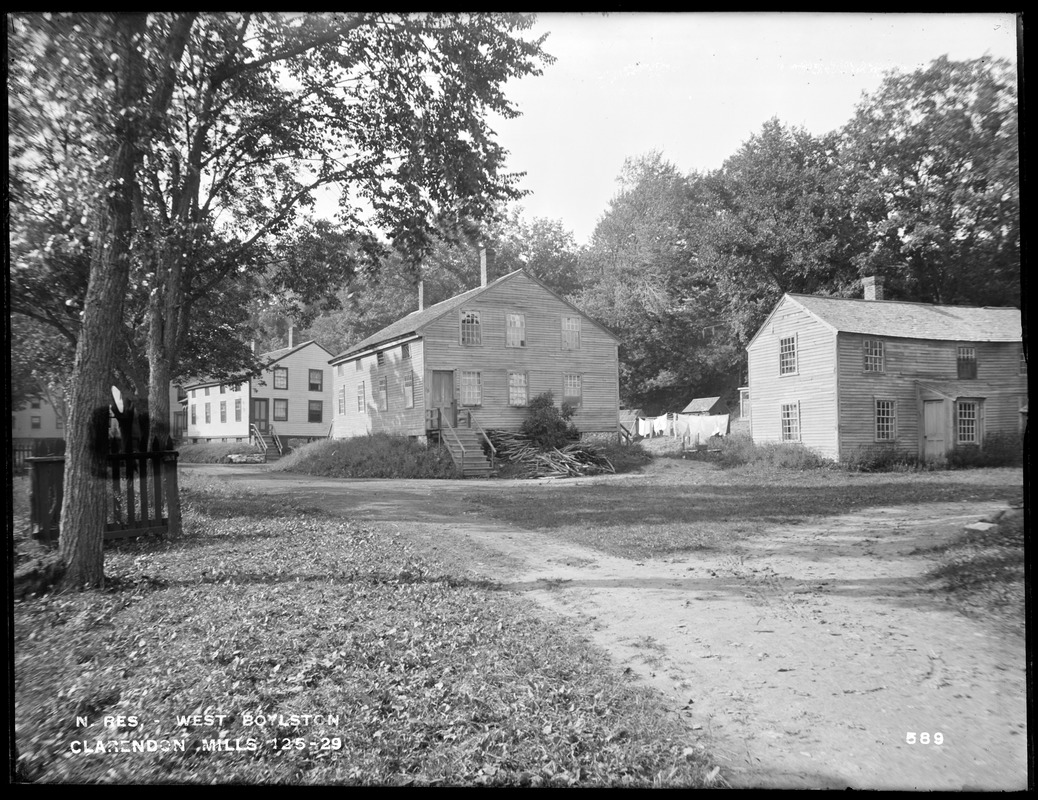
515 330
967 362
788 355
571 333
470 328
317 380
280 377
873 351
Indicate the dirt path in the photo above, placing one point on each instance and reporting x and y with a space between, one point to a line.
805 659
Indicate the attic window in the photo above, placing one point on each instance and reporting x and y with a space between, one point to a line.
788 355
405 351
571 333
967 363
380 359
470 328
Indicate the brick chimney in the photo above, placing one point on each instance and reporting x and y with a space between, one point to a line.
873 286
482 266
421 295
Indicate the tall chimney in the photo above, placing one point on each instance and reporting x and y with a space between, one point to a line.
421 295
873 286
482 266
291 335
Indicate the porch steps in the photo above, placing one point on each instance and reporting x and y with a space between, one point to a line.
271 449
473 464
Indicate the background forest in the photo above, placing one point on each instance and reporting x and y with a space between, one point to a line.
921 186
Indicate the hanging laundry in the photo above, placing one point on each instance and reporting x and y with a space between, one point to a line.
659 425
644 427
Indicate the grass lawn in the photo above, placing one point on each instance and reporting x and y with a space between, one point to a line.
688 505
413 672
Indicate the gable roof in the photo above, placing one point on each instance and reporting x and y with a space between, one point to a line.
700 404
270 358
912 320
414 322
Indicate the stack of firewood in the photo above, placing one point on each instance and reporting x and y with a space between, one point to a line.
530 461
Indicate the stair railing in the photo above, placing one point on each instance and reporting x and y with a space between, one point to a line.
277 441
483 433
457 439
261 443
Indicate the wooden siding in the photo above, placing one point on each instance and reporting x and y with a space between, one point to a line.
298 393
813 385
397 418
216 431
543 358
906 361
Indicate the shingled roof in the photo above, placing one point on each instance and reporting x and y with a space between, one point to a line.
913 320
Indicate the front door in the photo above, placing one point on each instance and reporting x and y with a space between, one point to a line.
933 429
260 414
442 396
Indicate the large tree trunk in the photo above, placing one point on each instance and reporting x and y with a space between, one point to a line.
84 509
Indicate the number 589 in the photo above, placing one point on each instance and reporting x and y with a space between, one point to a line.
924 737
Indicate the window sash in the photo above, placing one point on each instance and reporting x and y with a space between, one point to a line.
966 363
571 333
967 422
471 333
317 380
791 422
194 416
471 388
280 377
572 389
409 390
383 394
342 399
237 410
886 420
280 410
315 411
873 354
515 330
360 397
788 355
223 411
208 414
518 389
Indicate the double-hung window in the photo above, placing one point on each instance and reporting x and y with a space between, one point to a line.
409 389
967 422
280 377
471 388
223 410
317 380
342 399
571 333
515 330
471 333
237 410
788 355
208 414
383 394
280 409
967 362
873 354
315 411
791 422
886 420
518 389
360 397
572 389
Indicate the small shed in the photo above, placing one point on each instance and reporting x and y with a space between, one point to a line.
706 406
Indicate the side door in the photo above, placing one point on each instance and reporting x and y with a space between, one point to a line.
260 414
933 429
442 394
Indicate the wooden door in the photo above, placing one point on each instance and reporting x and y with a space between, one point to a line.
261 414
933 429
442 394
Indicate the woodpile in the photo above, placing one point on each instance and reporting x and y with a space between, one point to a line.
529 461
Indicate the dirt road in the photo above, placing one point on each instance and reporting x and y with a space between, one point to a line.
811 657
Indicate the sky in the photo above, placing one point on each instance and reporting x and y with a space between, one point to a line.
695 86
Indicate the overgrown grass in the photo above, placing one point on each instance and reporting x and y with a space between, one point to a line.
423 675
691 505
739 450
999 450
377 455
624 457
982 572
213 452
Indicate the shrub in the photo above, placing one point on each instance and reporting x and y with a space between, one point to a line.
884 458
548 426
739 450
998 450
213 452
377 455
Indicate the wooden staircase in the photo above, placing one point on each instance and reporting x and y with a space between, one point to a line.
267 443
471 462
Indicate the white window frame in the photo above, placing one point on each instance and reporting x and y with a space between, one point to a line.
361 398
409 389
208 415
471 388
873 355
792 432
889 405
223 411
342 400
977 420
470 328
789 363
382 400
237 410
571 333
518 381
515 329
567 377
274 410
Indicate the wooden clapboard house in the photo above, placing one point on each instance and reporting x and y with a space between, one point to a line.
290 399
472 363
844 375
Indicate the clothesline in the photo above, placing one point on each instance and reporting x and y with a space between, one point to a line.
695 427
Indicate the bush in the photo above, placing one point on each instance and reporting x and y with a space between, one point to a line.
548 426
624 457
377 455
884 458
739 450
213 452
998 450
